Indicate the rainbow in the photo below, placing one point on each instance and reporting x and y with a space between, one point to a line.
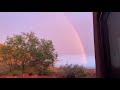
78 38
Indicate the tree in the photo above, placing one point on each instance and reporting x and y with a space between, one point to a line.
26 49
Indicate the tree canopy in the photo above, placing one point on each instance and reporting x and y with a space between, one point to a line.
26 49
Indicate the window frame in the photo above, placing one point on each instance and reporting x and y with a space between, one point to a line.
105 39
102 56
102 47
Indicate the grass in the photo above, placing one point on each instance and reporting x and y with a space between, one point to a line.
67 71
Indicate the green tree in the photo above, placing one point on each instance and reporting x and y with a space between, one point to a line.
26 49
5 55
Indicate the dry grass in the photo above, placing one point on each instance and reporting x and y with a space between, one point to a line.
90 72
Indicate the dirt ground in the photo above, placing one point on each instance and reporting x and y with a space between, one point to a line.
91 72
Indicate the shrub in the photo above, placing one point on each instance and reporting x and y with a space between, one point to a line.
46 72
72 71
31 70
15 72
7 70
4 69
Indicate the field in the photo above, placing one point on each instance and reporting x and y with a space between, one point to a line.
91 73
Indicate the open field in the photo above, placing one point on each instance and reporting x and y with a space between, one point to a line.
90 72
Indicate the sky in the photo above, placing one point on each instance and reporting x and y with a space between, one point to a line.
71 32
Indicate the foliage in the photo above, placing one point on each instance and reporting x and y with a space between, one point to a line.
4 69
15 72
32 70
46 72
27 50
72 71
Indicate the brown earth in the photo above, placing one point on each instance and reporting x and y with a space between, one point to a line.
90 72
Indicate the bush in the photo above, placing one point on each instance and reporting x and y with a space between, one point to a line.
31 70
15 72
72 71
4 69
46 72
7 70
